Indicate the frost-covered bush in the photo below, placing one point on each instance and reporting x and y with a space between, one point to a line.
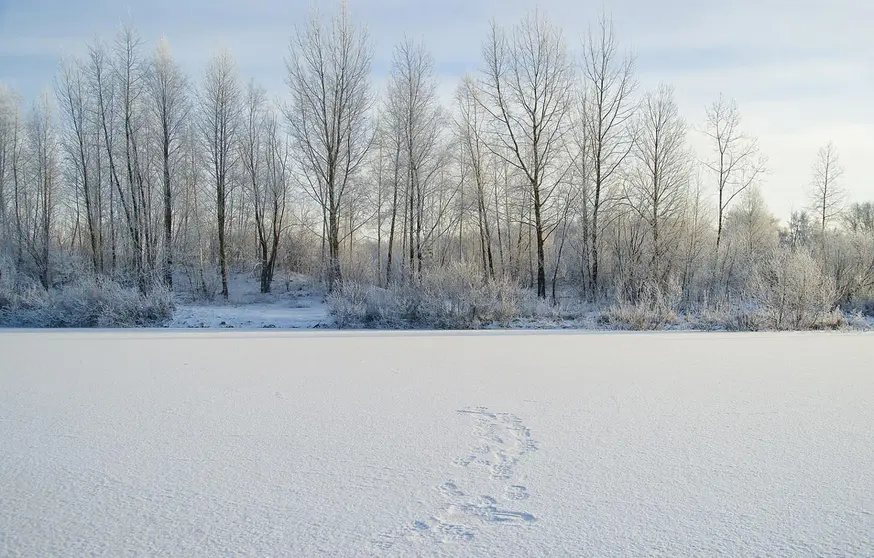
455 297
793 293
7 282
737 316
654 308
84 304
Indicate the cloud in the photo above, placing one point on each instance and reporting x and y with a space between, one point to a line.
802 71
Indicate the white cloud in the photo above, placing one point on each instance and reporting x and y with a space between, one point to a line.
802 71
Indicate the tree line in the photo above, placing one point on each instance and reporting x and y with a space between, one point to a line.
550 167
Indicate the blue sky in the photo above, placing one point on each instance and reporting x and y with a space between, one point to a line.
802 71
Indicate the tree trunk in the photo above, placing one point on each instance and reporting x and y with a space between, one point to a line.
168 217
539 238
223 258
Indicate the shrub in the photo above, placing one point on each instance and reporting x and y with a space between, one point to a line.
85 304
654 308
793 293
455 297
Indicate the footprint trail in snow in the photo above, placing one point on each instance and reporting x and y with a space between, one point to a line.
500 441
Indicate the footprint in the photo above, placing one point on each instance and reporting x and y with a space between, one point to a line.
453 532
503 465
442 531
449 489
486 510
516 492
501 439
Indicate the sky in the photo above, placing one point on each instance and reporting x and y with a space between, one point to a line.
801 71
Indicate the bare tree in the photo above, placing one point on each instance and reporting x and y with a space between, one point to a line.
609 80
736 160
753 228
41 196
264 157
799 229
76 106
475 154
220 99
859 218
413 110
129 73
328 75
693 237
169 91
391 139
103 90
526 91
827 195
272 208
8 117
658 184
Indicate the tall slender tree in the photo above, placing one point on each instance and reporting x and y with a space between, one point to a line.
735 160
329 79
526 91
170 105
659 183
610 108
413 110
220 107
827 194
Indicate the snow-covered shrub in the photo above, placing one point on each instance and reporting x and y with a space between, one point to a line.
349 305
654 308
454 297
793 293
859 321
737 316
7 281
88 303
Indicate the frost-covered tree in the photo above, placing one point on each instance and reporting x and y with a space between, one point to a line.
220 102
168 87
526 90
658 185
609 111
414 111
827 194
265 162
328 75
735 158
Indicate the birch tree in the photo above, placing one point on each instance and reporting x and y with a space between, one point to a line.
735 159
264 158
328 75
169 95
526 91
610 107
8 111
827 194
41 197
658 184
413 110
76 108
129 73
220 100
103 91
475 154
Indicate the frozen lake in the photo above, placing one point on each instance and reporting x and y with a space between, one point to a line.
204 443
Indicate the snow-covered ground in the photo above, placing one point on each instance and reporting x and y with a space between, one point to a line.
297 303
309 443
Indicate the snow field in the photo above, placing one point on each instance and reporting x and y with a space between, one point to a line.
205 443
